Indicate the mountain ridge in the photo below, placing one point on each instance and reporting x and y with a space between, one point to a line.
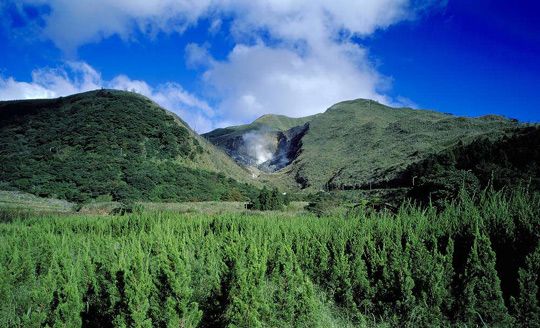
360 141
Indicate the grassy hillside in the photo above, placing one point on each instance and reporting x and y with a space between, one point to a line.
501 163
109 144
16 200
282 122
361 141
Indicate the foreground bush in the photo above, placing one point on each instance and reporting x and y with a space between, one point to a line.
473 264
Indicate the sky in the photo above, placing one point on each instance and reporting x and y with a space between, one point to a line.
221 63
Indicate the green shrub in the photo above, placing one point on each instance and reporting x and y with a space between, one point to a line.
269 200
470 264
323 203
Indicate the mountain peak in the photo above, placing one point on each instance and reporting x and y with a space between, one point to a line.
281 122
98 142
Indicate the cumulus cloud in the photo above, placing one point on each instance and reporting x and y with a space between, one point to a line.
293 57
52 82
256 80
310 61
75 77
73 23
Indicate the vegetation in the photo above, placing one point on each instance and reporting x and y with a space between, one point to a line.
361 141
324 203
269 200
108 143
19 200
464 252
510 161
473 264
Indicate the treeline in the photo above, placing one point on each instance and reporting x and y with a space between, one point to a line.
104 144
476 263
507 162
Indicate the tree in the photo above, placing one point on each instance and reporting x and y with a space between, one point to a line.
322 204
267 200
482 300
264 199
233 195
293 296
527 305
247 305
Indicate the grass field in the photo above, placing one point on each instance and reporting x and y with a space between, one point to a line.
20 201
473 264
216 208
25 201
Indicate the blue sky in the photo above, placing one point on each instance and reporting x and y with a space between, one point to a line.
217 63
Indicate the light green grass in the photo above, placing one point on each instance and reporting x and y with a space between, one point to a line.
24 201
27 202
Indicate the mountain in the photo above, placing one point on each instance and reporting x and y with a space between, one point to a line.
354 143
112 145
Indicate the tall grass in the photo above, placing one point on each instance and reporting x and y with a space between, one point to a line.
471 264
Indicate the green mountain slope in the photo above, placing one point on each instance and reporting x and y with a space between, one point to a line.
505 162
358 142
109 143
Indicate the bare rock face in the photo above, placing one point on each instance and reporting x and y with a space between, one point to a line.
267 150
289 145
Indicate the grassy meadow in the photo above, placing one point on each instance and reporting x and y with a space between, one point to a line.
475 263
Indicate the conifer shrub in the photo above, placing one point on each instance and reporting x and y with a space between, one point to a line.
269 200
416 268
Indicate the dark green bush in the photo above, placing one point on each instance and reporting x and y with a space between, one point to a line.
269 200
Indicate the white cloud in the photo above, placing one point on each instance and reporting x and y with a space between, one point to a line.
73 23
198 56
293 57
77 77
50 83
255 80
122 82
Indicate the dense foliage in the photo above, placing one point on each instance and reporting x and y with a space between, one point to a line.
103 143
474 264
509 161
324 203
269 200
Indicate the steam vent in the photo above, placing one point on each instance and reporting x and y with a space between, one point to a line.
264 148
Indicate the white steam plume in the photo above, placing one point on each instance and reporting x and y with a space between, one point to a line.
259 146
